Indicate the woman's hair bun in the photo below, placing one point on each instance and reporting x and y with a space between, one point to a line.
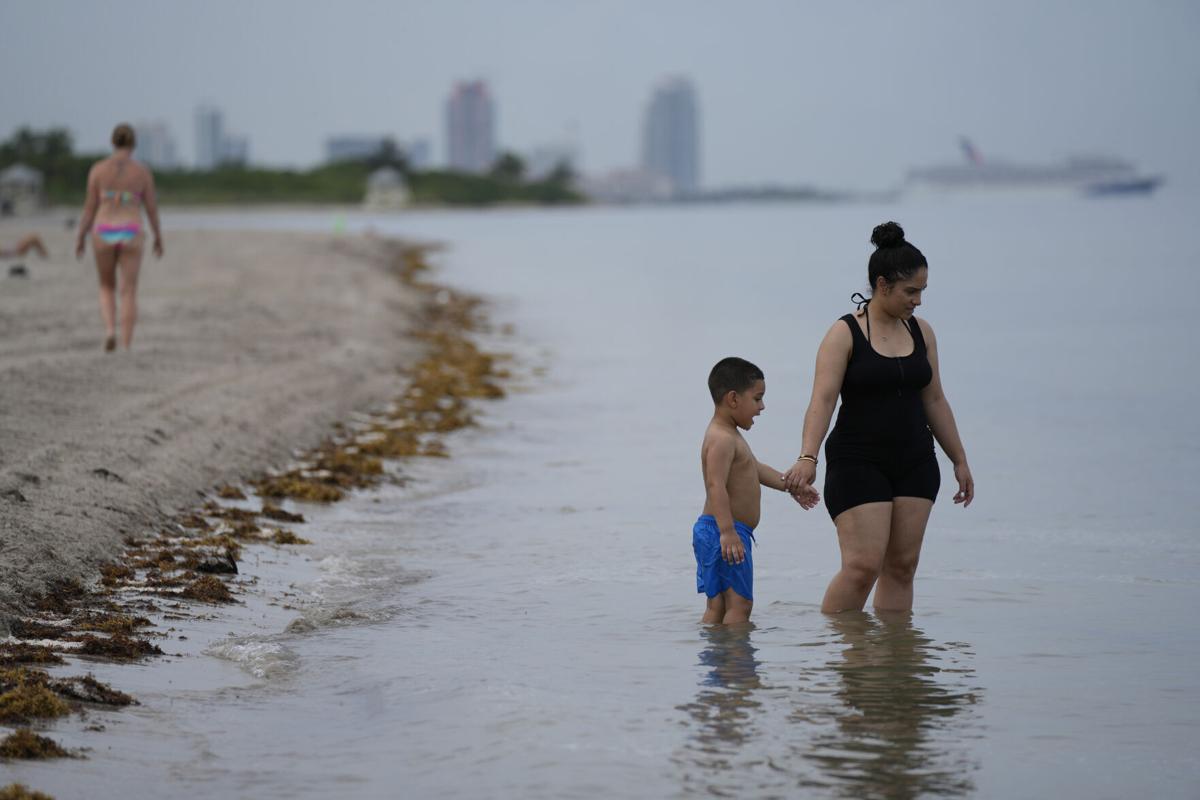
889 234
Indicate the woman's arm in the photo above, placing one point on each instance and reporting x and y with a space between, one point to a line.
90 204
150 200
832 357
941 422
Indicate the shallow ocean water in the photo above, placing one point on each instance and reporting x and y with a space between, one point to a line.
520 620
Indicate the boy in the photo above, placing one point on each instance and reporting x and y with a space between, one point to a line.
723 535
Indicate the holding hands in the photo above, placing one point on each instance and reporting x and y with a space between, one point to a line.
807 497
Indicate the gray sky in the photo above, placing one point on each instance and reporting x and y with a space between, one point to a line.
844 95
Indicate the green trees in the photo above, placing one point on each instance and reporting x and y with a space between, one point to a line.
65 174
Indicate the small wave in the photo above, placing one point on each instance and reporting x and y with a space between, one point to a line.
316 618
260 657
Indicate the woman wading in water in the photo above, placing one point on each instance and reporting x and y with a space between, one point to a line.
118 188
881 474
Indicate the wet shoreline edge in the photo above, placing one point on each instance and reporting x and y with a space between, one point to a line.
191 560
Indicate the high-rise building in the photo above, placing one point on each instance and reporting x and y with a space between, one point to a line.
156 145
671 135
215 147
470 128
355 147
235 151
210 133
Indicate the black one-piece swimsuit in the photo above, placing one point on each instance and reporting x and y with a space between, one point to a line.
881 446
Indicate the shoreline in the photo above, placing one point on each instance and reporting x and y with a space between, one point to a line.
172 562
249 346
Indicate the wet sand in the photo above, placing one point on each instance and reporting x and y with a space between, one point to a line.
248 346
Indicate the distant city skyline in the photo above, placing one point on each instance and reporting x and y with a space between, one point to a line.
838 95
470 127
671 135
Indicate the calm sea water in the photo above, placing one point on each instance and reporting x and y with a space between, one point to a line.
521 621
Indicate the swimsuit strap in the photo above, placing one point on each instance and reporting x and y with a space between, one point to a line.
862 302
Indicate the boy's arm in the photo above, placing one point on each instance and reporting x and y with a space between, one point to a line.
718 460
770 477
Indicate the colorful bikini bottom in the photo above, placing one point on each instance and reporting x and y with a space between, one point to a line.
118 234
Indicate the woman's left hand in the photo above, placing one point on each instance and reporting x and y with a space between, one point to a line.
966 485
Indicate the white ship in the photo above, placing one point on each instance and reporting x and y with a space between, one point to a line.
1089 175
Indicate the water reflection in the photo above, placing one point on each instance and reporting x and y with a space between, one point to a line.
725 712
901 726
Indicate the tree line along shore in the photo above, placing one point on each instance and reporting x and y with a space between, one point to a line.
64 172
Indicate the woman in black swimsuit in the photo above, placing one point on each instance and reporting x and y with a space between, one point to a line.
881 476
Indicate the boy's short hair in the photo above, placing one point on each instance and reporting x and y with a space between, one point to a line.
732 374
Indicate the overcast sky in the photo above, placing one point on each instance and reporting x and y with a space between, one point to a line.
838 94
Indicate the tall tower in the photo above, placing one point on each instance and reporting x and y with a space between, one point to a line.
210 136
671 135
470 128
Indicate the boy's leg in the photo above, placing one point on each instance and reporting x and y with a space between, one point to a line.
714 612
737 608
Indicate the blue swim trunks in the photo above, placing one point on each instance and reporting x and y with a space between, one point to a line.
713 573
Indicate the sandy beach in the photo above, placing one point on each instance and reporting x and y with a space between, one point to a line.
248 346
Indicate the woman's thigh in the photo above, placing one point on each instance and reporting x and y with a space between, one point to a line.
910 515
106 261
129 260
863 534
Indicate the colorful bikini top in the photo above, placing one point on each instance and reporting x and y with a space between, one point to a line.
121 198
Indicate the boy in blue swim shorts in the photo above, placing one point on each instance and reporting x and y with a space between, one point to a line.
723 537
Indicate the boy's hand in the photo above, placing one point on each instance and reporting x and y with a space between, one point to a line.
731 548
807 497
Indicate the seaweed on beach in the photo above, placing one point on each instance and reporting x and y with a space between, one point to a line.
25 744
13 653
208 589
32 629
118 646
195 522
298 488
110 623
89 690
287 537
62 597
271 511
26 697
114 574
228 492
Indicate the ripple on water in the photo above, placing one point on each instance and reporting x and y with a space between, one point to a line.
262 657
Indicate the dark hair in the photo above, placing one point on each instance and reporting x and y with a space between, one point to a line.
894 258
732 374
123 136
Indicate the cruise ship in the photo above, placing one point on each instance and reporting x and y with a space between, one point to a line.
1095 175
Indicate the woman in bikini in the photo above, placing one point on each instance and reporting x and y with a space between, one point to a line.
118 188
882 475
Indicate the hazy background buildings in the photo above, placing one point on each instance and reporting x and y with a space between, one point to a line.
671 135
470 128
847 95
214 145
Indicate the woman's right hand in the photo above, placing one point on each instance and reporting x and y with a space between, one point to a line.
801 474
80 246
